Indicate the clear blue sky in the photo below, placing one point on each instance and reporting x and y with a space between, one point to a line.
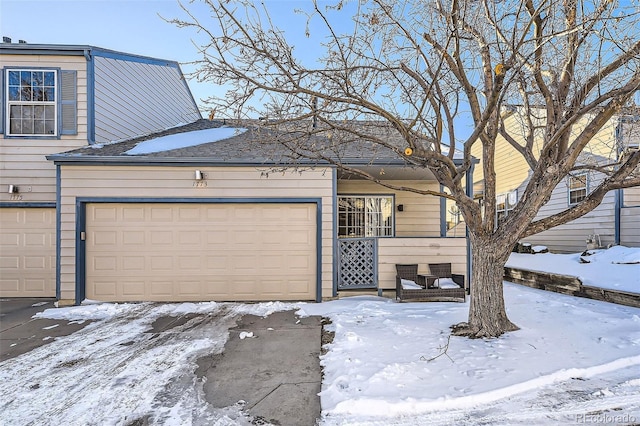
131 26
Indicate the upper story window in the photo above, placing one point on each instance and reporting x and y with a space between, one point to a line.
577 188
365 216
38 102
31 102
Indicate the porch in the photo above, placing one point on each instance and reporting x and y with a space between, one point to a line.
369 263
378 227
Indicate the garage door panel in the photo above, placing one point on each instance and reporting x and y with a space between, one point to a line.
196 252
27 252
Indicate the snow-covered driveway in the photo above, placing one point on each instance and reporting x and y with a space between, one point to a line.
118 371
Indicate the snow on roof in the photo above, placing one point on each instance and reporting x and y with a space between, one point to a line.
184 140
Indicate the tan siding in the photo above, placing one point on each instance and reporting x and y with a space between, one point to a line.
177 182
630 226
421 251
631 196
421 215
23 160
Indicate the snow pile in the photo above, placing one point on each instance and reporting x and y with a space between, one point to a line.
617 268
615 255
184 140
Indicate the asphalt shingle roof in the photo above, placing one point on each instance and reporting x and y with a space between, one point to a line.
257 145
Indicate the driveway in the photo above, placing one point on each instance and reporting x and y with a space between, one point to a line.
137 364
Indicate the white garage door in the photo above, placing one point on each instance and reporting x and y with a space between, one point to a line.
27 252
197 252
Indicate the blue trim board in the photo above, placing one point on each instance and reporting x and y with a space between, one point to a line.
42 205
58 231
91 101
469 189
334 213
130 57
81 220
81 224
617 207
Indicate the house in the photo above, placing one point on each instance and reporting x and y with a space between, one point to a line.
57 98
216 211
210 211
615 221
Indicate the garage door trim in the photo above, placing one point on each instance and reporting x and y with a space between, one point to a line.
81 221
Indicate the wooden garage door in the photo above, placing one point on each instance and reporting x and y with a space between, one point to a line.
27 252
197 252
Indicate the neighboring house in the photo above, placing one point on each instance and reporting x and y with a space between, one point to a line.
615 221
57 98
147 201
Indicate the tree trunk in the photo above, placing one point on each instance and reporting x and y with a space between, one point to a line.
487 315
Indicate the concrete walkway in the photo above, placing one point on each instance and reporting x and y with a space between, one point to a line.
276 372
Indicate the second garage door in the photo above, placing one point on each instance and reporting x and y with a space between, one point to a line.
27 252
198 252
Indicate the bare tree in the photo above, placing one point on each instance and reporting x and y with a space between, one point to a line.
426 67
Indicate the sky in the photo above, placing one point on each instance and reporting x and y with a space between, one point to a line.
131 26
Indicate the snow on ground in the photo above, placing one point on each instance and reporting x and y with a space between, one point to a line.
393 363
617 268
573 361
115 371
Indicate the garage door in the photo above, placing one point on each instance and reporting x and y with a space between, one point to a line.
27 252
196 252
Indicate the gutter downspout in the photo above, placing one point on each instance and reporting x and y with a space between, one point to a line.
618 193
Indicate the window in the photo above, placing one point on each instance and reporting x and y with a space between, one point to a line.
31 102
365 216
505 203
577 188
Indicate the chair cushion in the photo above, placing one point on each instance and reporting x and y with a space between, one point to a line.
446 283
409 285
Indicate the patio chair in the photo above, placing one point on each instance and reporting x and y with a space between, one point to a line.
443 270
414 287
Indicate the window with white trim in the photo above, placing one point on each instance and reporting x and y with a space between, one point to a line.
365 216
505 203
577 188
31 102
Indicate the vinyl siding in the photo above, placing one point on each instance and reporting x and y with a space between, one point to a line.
630 226
421 215
23 160
512 173
177 182
134 98
571 237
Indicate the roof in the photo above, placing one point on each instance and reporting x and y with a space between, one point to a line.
78 50
245 144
